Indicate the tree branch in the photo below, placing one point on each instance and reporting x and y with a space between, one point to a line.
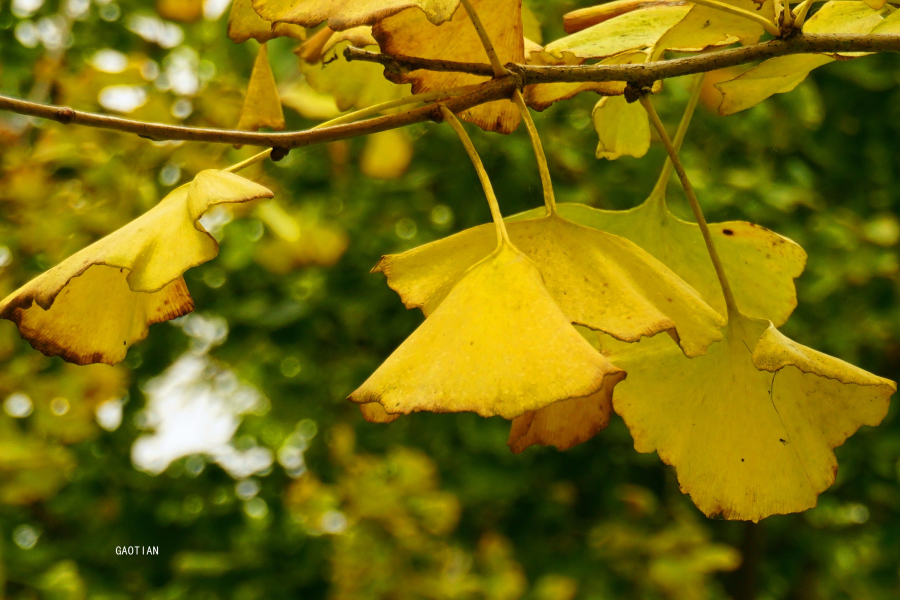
647 73
496 89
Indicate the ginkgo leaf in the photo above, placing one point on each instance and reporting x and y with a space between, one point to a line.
891 24
635 30
387 154
599 280
92 306
342 14
244 24
705 26
751 425
410 33
784 73
497 345
262 106
373 412
622 128
760 264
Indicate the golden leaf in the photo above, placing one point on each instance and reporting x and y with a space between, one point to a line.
705 26
244 24
497 345
599 280
623 129
751 425
583 18
92 306
262 106
410 33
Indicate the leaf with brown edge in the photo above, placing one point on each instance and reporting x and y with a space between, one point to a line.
599 280
262 106
410 33
95 304
373 412
497 345
244 24
751 426
344 14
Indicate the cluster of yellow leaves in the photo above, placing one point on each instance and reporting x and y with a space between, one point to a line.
499 340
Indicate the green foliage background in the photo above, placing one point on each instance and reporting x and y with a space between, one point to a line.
433 506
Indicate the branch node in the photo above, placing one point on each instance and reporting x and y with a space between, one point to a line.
65 115
278 153
636 91
518 74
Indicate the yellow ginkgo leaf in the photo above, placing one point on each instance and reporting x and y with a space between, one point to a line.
262 106
92 306
891 24
623 129
632 31
599 280
410 33
342 14
751 425
583 18
244 24
497 345
876 4
705 26
387 154
760 264
784 73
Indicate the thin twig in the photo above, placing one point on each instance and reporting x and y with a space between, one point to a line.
486 92
733 312
502 235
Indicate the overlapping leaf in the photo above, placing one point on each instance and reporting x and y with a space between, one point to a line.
497 345
95 304
784 73
751 425
342 14
244 23
599 280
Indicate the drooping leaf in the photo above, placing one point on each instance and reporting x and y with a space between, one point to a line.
599 280
705 26
750 426
784 73
342 14
410 33
497 345
262 106
95 304
244 24
622 128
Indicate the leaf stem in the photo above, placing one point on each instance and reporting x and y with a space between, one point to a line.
502 235
788 19
659 190
802 11
733 312
740 12
543 168
499 69
367 112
